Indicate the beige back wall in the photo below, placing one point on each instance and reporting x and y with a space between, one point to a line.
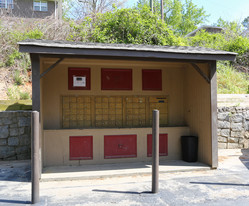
59 139
198 110
55 84
189 105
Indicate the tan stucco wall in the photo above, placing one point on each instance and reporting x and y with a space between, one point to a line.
198 110
189 106
55 84
56 144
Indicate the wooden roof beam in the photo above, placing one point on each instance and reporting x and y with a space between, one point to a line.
198 69
51 67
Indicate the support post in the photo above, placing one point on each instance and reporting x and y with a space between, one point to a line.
151 5
213 88
60 10
155 151
162 17
35 63
35 162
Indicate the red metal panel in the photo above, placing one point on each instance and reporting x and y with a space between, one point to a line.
116 79
120 146
85 72
163 145
152 79
81 147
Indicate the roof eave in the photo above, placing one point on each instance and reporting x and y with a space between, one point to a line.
34 49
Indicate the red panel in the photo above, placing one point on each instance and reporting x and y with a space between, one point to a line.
116 79
81 147
152 79
120 146
163 145
82 72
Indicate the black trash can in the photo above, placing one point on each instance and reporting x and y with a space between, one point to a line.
189 148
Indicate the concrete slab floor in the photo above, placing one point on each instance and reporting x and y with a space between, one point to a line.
228 185
117 170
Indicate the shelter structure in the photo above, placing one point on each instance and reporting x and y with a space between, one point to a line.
96 100
209 29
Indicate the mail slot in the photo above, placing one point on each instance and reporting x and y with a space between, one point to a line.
120 146
163 145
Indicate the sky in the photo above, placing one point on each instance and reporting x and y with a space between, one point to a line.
229 10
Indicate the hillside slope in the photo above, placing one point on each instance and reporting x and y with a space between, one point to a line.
15 74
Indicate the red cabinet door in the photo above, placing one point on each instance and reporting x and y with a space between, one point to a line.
163 145
81 147
116 79
120 146
152 79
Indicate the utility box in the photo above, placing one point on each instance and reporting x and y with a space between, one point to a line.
79 79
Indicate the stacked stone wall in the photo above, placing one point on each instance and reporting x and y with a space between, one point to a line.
15 131
233 127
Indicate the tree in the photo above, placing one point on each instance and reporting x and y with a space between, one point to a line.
129 26
181 17
156 4
79 9
245 22
233 27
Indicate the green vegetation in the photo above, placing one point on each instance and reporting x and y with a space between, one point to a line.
181 16
12 105
129 26
230 81
14 93
17 78
136 25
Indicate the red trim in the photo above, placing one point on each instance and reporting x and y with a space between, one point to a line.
116 79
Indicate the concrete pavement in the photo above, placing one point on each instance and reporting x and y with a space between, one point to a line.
86 172
228 185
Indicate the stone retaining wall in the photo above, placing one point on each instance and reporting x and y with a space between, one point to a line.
233 127
15 134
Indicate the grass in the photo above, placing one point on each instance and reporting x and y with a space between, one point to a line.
24 95
230 81
12 105
18 78
14 93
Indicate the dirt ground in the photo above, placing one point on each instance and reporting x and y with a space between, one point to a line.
5 82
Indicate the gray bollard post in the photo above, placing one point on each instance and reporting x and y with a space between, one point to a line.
35 163
155 151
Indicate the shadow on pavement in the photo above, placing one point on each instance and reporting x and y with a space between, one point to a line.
122 192
16 171
244 158
218 183
15 201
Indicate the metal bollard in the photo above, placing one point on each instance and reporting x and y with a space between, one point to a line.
155 151
35 164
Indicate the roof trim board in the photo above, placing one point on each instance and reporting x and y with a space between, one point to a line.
122 50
